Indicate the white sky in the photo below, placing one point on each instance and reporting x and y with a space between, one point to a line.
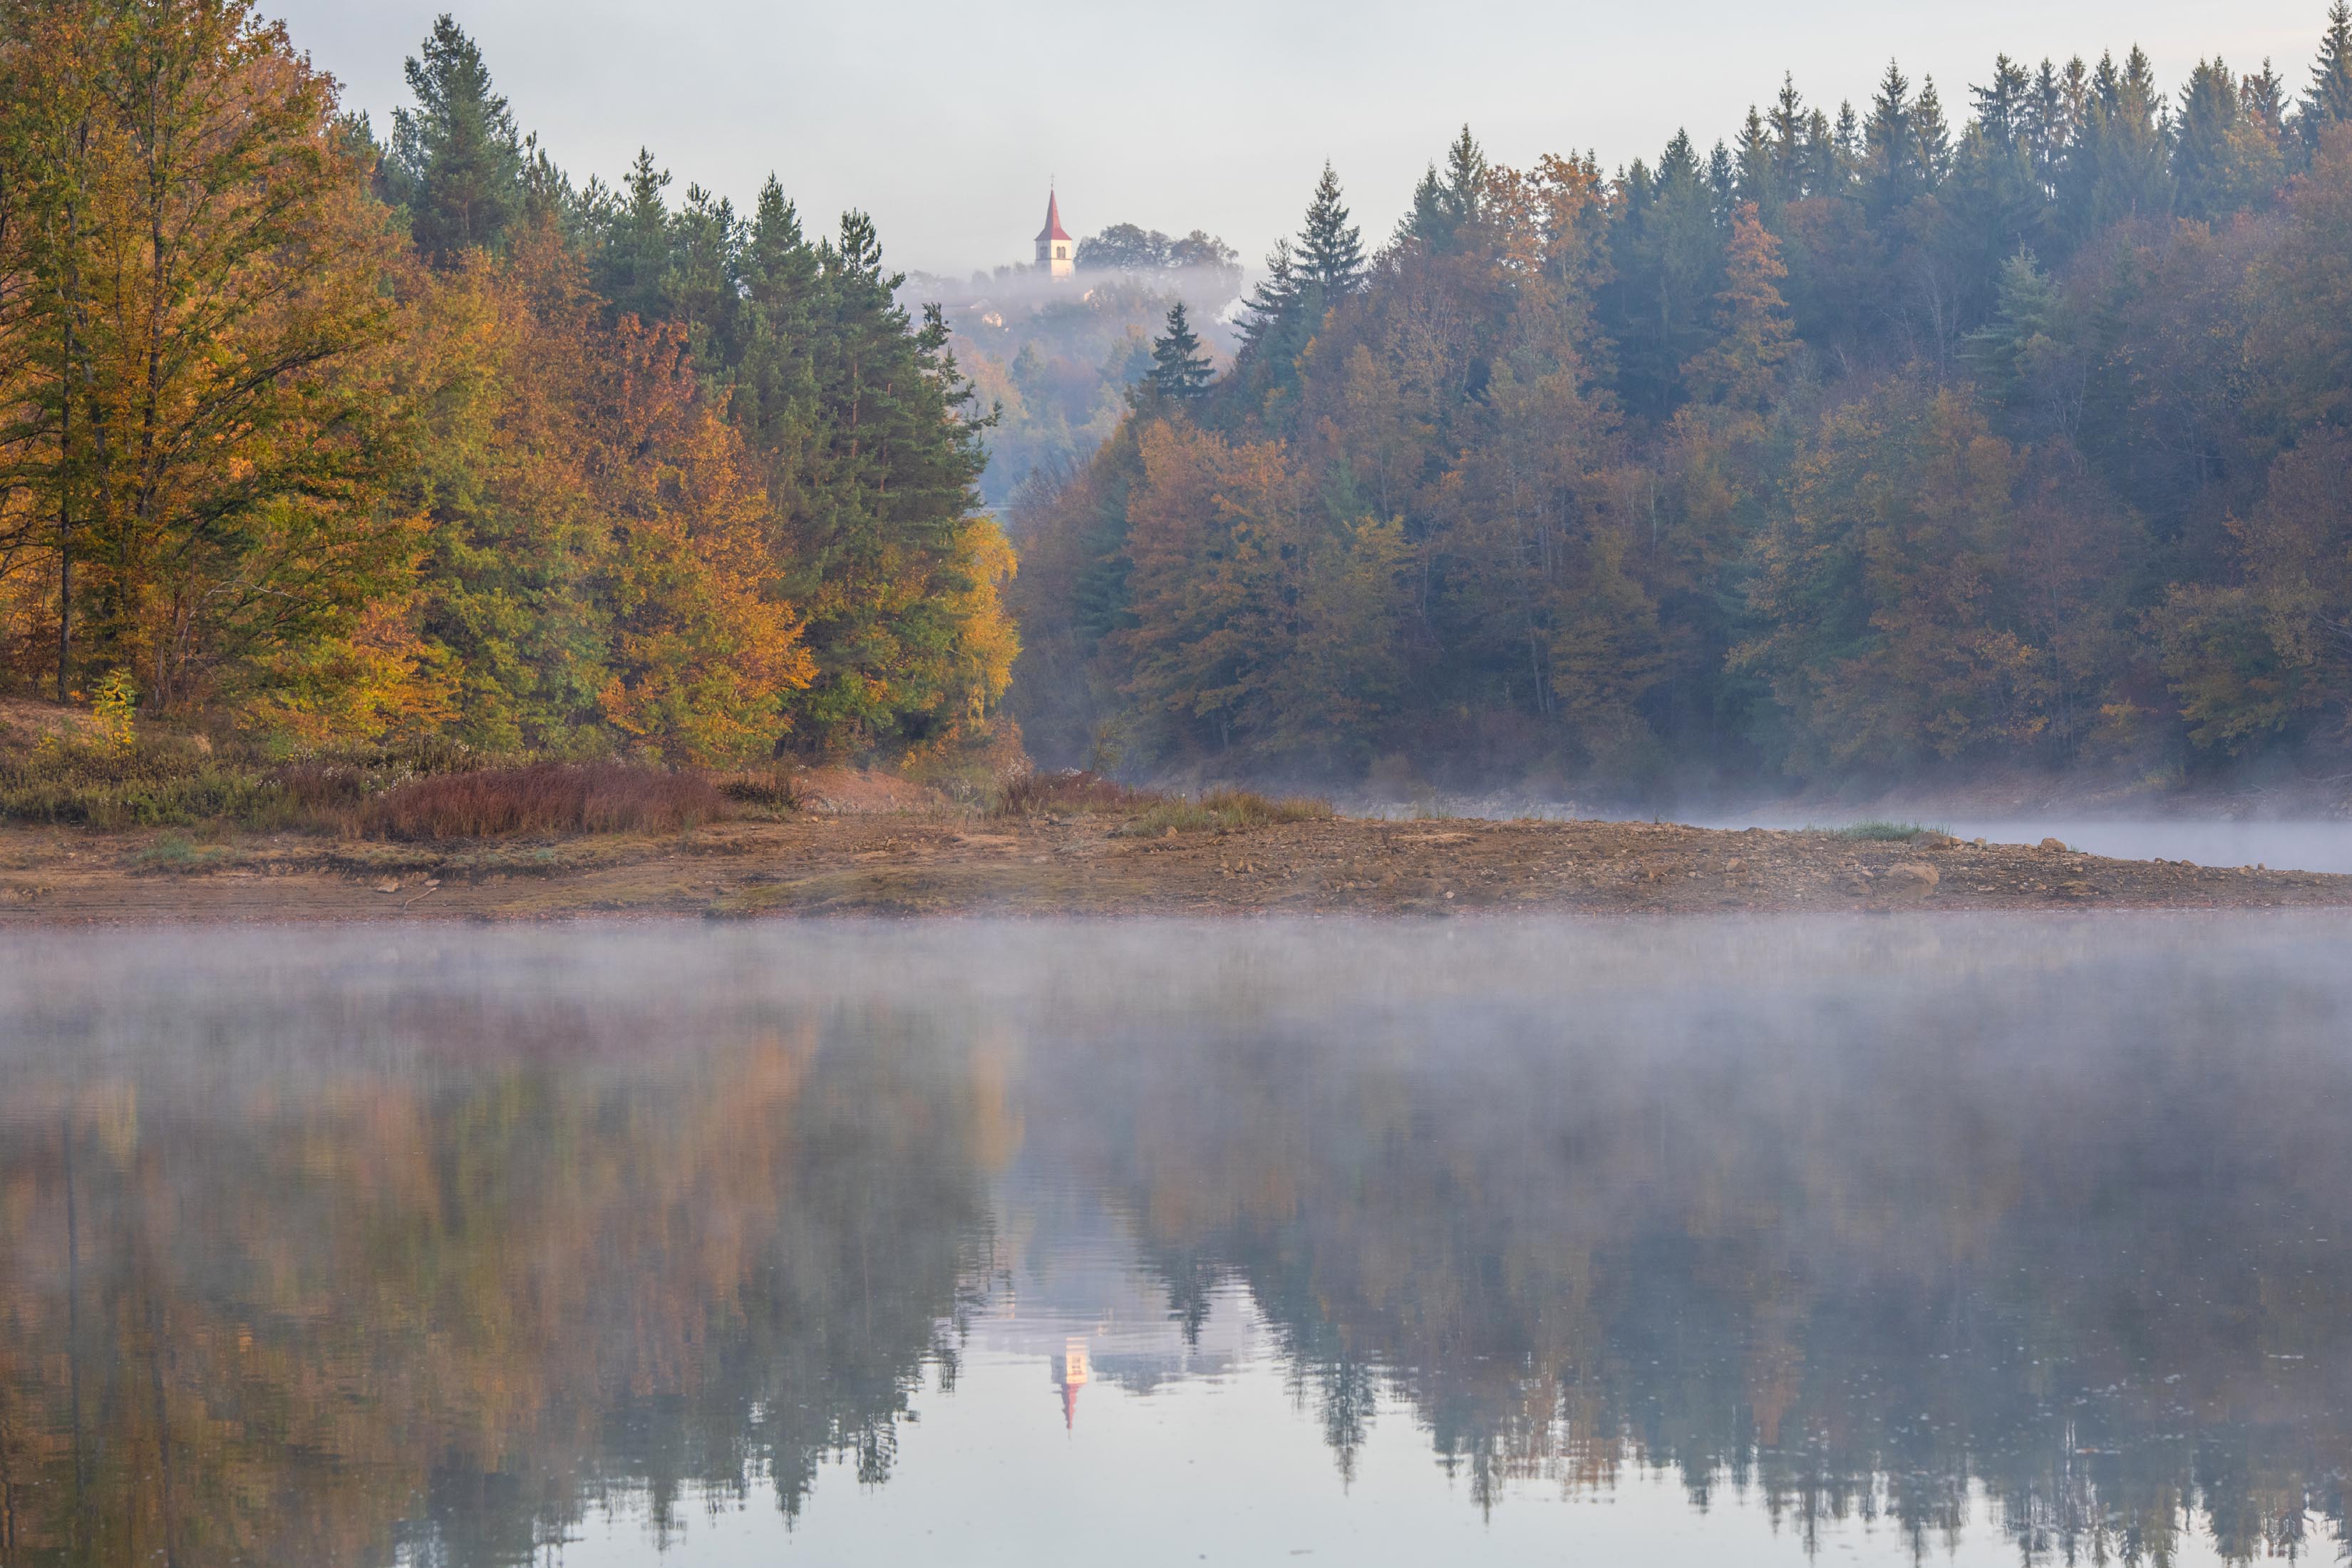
946 120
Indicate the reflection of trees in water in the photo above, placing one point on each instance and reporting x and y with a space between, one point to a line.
1847 1276
454 1308
455 1299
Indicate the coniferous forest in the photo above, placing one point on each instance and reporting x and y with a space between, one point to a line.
1926 435
1895 438
326 438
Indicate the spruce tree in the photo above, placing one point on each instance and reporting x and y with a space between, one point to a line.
1755 178
2328 100
457 163
2120 164
1930 135
2261 94
1180 371
1722 182
2202 152
1425 220
1847 140
1790 127
1273 305
2003 106
1466 179
1330 248
2049 126
1895 175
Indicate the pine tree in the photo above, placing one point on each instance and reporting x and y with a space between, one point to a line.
1180 371
630 259
703 286
1330 248
457 163
773 394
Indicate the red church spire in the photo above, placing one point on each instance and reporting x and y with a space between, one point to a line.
1053 229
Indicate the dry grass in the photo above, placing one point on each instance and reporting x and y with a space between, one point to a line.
1883 832
1224 811
1066 794
540 799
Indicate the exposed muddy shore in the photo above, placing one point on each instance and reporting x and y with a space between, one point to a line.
941 863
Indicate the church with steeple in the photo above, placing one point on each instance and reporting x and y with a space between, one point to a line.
1057 251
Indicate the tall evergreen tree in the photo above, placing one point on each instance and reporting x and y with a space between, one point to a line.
1304 279
2328 100
2003 106
1789 126
1756 174
2263 95
1931 135
2120 165
1274 305
630 262
1442 205
457 163
1180 371
773 392
1330 248
2049 126
1894 172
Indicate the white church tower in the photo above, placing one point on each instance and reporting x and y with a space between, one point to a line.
1055 249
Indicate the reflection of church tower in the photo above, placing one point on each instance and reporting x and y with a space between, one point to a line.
1055 248
1072 1373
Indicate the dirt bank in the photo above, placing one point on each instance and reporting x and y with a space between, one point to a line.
938 862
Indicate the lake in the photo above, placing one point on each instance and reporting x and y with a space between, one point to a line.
1987 1239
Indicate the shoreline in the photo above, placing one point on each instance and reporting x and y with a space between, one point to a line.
931 864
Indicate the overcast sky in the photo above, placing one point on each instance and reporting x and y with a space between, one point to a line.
946 120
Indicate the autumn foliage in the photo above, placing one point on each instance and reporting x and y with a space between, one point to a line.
1869 445
315 443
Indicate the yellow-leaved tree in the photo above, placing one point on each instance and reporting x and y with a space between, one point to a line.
197 432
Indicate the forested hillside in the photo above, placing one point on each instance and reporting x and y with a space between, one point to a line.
1053 359
313 437
1868 442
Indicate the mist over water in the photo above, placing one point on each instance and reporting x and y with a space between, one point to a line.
2007 1238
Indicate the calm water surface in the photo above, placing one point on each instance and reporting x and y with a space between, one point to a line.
1980 1240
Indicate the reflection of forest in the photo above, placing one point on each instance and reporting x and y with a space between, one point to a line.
1849 1271
301 1289
453 1306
